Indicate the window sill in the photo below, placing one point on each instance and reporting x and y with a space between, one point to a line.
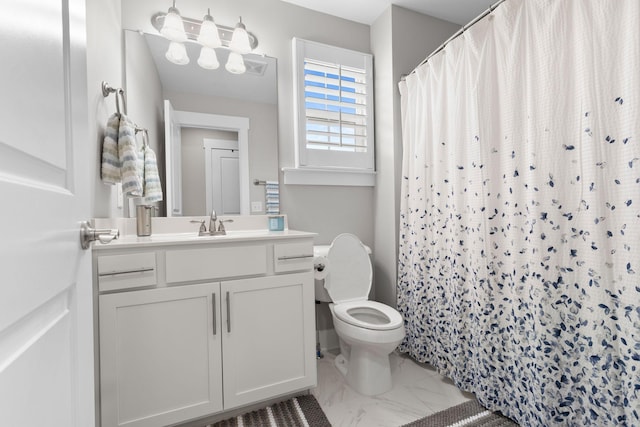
319 176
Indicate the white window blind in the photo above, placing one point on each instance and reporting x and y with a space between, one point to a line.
333 95
335 107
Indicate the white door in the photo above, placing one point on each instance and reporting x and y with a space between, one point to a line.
46 320
173 159
222 176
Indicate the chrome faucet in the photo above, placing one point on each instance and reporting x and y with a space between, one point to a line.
220 231
212 222
203 228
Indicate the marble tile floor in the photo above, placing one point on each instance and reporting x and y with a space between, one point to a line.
418 390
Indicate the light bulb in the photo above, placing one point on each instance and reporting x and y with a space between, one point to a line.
208 58
235 63
173 28
240 39
177 53
209 35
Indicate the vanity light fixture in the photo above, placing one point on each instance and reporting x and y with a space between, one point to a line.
209 38
208 58
177 53
207 34
235 63
240 39
173 27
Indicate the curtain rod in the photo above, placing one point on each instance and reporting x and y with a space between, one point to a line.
457 33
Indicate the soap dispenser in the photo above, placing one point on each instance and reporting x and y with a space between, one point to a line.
143 219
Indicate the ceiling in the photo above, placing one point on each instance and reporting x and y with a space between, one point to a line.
367 11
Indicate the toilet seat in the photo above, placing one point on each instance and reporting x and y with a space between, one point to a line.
369 315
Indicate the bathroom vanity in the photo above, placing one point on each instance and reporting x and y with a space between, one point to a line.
194 326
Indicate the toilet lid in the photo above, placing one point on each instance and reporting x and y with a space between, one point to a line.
350 272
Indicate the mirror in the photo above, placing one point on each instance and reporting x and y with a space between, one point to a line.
218 93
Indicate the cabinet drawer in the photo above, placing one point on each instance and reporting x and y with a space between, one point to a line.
215 263
129 271
292 257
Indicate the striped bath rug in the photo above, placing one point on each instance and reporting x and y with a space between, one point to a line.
468 414
301 411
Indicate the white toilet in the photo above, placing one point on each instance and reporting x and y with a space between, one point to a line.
368 331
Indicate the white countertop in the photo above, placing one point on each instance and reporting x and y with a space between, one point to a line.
180 231
171 239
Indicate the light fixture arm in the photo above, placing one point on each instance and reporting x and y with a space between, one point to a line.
192 29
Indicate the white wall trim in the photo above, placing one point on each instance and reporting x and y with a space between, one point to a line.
328 176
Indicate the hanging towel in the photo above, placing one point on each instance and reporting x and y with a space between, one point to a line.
127 153
140 164
152 187
272 197
110 169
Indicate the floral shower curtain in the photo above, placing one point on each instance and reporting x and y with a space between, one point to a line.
519 269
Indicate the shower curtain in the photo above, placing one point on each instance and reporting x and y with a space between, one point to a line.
519 266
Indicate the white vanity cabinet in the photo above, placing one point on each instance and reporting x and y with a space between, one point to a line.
215 326
265 328
160 357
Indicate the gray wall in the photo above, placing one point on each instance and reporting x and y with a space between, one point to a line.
400 40
144 99
385 217
104 62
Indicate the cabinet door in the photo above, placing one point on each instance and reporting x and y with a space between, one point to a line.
160 355
268 337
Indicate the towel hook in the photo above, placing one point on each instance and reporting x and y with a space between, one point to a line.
145 136
106 90
124 102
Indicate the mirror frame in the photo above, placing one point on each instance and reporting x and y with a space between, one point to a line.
216 122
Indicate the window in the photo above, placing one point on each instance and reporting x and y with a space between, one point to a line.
333 101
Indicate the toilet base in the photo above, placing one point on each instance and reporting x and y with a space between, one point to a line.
341 364
367 372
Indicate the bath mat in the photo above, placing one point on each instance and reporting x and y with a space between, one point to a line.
468 414
297 412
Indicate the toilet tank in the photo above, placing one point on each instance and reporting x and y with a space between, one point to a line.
320 252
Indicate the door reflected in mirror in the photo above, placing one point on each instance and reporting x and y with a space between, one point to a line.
192 89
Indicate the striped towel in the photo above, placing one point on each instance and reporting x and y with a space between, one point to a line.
110 169
140 164
272 197
152 187
127 153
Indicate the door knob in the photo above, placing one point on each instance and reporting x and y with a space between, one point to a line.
89 234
